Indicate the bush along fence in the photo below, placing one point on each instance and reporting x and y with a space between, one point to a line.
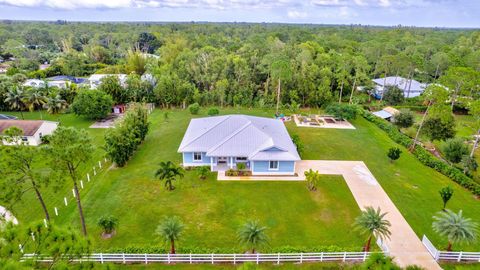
424 156
215 258
451 256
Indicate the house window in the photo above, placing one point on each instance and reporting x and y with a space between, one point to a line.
241 159
25 139
273 165
197 156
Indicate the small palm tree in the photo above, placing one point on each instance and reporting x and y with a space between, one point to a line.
203 172
108 224
169 172
252 234
312 177
55 104
455 227
16 99
170 230
35 99
372 223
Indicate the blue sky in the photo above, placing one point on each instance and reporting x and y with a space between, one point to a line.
441 13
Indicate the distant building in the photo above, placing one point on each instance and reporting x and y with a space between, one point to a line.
387 113
96 79
33 130
35 83
410 87
62 81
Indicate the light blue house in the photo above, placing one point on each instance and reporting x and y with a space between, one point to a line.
222 142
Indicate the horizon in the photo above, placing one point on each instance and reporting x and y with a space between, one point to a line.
410 13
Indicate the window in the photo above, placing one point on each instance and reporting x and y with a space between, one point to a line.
273 165
25 139
197 156
241 159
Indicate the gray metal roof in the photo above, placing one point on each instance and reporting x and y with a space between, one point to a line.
256 138
414 87
383 114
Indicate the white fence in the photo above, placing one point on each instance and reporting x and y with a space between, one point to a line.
460 256
218 258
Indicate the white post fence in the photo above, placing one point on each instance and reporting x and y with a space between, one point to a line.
452 256
277 258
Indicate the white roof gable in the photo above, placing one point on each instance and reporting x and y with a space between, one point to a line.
257 138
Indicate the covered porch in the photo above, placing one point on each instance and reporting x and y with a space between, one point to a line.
220 164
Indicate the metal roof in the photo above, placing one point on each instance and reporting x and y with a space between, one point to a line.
412 88
256 138
383 114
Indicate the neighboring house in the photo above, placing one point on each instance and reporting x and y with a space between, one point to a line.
33 130
35 83
387 113
62 81
96 79
410 88
221 142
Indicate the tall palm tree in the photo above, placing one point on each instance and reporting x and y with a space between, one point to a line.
252 234
455 227
372 223
16 99
169 172
55 104
170 230
35 99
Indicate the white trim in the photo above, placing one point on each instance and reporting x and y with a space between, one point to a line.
195 164
272 173
197 160
273 169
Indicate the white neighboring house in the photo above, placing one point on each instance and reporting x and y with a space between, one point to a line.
410 87
33 130
96 79
35 83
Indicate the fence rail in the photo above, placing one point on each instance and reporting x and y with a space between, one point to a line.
460 256
216 258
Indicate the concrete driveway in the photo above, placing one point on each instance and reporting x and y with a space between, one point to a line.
403 245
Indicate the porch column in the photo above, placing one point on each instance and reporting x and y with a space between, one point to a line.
211 163
231 162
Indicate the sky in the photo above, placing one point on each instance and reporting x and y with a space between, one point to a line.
437 13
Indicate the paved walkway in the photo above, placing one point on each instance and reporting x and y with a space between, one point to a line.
403 245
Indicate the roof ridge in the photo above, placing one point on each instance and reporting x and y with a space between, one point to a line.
196 138
230 136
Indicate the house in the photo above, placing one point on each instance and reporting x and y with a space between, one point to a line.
33 130
410 87
387 113
35 83
96 79
221 142
62 81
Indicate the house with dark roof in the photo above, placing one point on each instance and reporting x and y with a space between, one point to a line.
221 142
32 130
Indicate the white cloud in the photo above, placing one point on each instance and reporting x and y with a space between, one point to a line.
294 14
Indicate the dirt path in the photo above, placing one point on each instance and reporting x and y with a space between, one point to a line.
404 245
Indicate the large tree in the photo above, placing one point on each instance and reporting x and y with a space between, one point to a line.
69 149
92 104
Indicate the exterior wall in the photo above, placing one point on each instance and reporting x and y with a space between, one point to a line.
188 160
47 128
262 168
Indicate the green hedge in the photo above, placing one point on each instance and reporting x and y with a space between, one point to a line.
424 156
202 250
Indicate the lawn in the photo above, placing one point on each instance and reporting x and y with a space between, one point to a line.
213 211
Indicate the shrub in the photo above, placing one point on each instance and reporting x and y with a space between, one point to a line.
194 108
241 166
203 172
231 172
424 156
108 224
213 111
404 119
454 150
298 143
438 129
342 111
93 104
394 153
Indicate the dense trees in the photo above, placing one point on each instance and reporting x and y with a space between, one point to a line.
93 104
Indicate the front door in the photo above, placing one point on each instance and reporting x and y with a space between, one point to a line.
222 160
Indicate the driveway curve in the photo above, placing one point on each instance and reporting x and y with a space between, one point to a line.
403 245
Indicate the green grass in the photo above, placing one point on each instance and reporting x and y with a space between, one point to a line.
214 210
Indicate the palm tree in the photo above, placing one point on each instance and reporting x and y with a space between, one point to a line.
252 235
16 99
312 177
55 104
35 99
455 227
169 172
372 223
170 230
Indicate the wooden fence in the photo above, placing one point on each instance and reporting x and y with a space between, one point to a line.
458 256
217 258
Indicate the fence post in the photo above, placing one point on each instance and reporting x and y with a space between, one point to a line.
234 258
101 258
278 258
344 256
437 255
123 258
321 257
190 258
65 201
168 257
258 255
364 256
212 258
301 257
459 256
146 258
